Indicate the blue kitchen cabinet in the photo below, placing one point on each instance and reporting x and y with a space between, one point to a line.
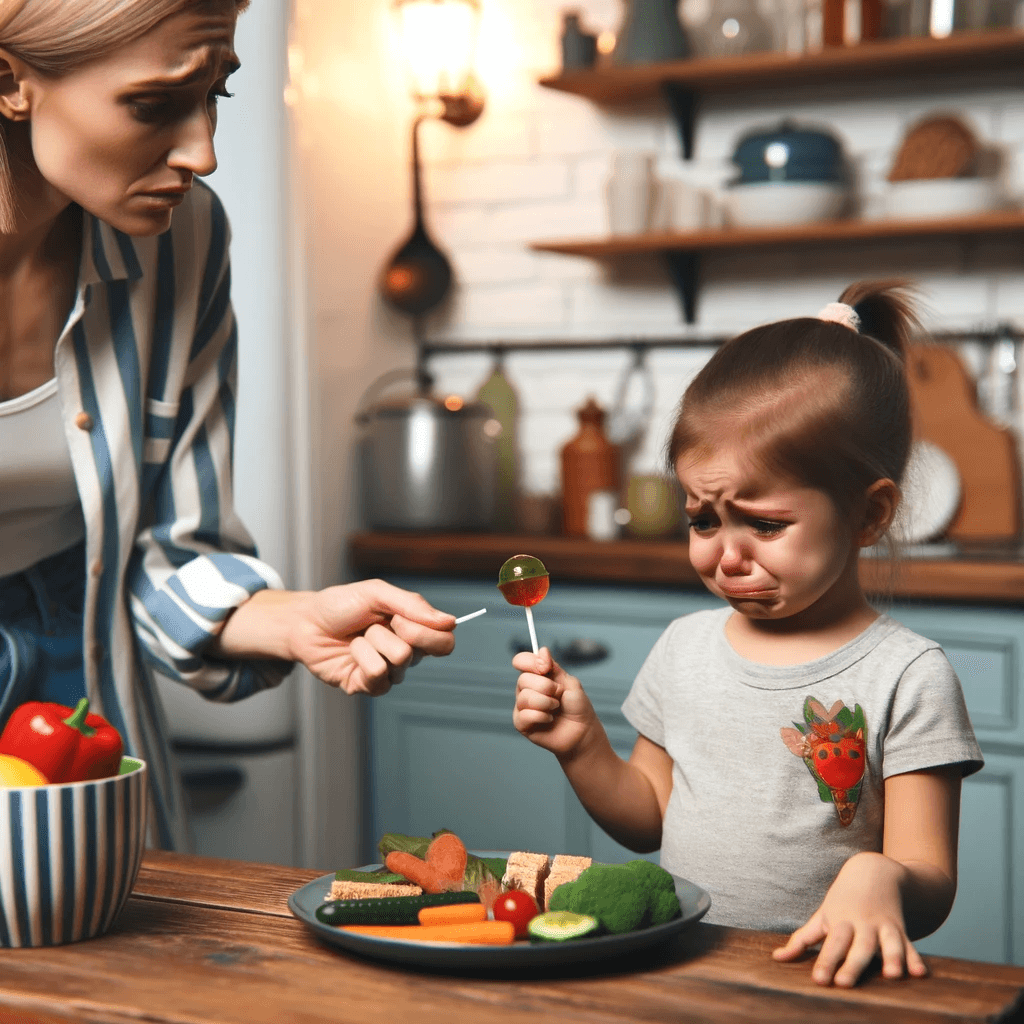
444 754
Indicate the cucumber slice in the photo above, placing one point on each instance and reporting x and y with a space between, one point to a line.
562 925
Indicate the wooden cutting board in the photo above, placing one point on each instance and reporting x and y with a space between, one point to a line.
945 408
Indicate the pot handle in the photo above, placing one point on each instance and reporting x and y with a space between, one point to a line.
382 383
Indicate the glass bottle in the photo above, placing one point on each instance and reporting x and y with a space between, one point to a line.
590 463
497 393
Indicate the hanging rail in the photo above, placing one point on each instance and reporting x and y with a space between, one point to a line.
991 334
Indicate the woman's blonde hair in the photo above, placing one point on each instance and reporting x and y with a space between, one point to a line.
56 37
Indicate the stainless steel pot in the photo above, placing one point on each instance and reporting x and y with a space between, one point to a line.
425 464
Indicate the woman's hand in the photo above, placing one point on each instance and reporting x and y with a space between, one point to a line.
551 708
861 916
360 637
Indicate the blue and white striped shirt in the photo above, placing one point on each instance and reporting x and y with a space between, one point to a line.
147 371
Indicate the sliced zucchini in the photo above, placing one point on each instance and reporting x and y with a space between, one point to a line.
562 925
387 909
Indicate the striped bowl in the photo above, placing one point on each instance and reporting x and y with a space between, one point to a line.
69 854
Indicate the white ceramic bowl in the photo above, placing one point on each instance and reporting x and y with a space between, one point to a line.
69 856
778 203
941 197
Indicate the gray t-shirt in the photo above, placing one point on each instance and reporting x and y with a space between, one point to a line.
749 820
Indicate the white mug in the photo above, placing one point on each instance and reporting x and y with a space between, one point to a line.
682 206
630 193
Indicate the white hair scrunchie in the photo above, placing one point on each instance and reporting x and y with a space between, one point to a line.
841 313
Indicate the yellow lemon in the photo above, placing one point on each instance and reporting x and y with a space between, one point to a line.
16 772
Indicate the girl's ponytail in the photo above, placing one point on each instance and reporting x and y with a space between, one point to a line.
886 312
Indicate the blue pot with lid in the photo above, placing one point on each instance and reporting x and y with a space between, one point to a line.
789 152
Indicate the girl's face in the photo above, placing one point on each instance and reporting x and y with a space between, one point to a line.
770 547
124 135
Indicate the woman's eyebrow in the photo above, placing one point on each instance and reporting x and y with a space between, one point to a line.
189 76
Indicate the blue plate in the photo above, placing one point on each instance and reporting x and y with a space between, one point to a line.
693 900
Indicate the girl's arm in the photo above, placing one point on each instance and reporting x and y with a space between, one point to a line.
626 798
880 901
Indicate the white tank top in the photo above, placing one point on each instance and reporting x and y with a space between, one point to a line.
40 511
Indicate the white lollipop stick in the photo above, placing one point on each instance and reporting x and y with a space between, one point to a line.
471 615
533 631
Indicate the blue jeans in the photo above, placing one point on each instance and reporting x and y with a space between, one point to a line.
41 632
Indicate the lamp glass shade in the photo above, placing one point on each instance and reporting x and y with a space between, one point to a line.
439 40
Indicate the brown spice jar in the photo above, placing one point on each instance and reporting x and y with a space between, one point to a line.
590 462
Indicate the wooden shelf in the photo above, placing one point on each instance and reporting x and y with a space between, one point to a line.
982 578
681 251
903 58
681 83
825 232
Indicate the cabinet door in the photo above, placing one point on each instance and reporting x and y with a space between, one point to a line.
985 647
438 764
987 919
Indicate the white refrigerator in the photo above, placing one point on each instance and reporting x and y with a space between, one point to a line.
242 764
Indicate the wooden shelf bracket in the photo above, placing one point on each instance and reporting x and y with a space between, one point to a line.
682 102
684 269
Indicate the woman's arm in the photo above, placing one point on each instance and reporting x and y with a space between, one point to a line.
626 798
359 636
880 901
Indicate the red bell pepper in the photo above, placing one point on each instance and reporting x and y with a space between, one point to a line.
65 745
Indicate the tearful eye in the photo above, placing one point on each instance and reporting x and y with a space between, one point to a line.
766 528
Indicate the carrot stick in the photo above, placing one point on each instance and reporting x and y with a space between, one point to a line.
486 933
447 855
455 913
418 871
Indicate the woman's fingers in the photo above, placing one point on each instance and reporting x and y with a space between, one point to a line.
436 642
382 658
392 600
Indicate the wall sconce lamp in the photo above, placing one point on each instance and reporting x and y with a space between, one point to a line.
439 39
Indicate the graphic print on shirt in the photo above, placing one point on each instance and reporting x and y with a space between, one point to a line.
831 744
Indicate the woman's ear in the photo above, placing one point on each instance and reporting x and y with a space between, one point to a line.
881 500
15 100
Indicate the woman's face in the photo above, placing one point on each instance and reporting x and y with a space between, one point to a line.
124 135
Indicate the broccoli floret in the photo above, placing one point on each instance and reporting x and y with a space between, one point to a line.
623 897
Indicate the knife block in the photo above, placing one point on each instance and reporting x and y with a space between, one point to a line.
945 410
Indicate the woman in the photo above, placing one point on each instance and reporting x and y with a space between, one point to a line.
120 552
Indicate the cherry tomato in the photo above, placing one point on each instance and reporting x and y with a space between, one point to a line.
518 907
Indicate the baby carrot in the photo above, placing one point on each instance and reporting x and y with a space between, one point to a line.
418 871
447 855
486 933
453 913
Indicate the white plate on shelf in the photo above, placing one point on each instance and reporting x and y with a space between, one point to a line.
931 494
941 197
693 901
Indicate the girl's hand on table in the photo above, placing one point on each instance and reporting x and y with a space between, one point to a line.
861 916
551 708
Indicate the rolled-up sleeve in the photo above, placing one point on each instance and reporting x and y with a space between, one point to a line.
194 561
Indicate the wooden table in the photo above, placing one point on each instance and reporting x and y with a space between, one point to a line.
204 940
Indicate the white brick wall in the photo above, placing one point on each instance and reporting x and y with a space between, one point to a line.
535 167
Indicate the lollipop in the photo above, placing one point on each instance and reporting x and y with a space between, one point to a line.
523 580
